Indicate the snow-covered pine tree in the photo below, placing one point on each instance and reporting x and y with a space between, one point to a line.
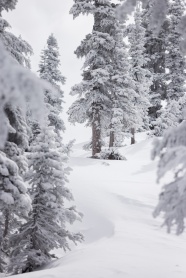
15 203
140 73
172 152
94 96
170 117
155 54
175 63
7 5
17 86
157 18
122 88
107 89
175 59
45 228
16 46
49 69
17 139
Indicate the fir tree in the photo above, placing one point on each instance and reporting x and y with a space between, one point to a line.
122 88
7 5
175 63
49 70
172 152
94 98
141 75
18 86
107 89
45 228
170 117
175 60
155 53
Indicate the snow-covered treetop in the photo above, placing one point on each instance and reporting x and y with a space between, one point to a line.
88 7
49 65
158 15
7 5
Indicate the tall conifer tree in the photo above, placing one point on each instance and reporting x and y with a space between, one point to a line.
45 228
140 73
49 69
155 53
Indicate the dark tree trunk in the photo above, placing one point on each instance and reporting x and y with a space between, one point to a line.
133 141
96 131
111 141
7 220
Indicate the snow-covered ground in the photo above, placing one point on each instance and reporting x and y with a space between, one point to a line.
122 239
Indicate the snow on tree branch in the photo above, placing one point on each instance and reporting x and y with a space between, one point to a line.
18 86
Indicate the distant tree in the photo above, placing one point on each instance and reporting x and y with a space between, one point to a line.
175 63
45 228
140 73
122 87
170 117
49 69
175 60
155 48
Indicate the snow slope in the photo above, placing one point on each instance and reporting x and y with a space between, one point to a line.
121 237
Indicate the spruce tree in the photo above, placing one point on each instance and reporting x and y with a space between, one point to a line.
170 117
140 73
49 69
94 96
106 92
155 53
175 63
16 87
175 60
172 153
7 5
45 228
122 88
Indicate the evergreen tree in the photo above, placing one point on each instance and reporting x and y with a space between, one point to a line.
94 97
175 60
175 63
155 53
170 117
45 228
7 5
14 201
106 92
172 152
141 75
49 70
18 86
122 89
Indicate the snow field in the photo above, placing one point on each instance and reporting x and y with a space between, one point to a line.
121 237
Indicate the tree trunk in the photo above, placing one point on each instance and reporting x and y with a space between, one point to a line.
111 141
133 141
6 229
96 131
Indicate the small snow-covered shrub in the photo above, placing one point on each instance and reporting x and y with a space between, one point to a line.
111 154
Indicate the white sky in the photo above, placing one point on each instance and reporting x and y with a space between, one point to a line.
35 20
